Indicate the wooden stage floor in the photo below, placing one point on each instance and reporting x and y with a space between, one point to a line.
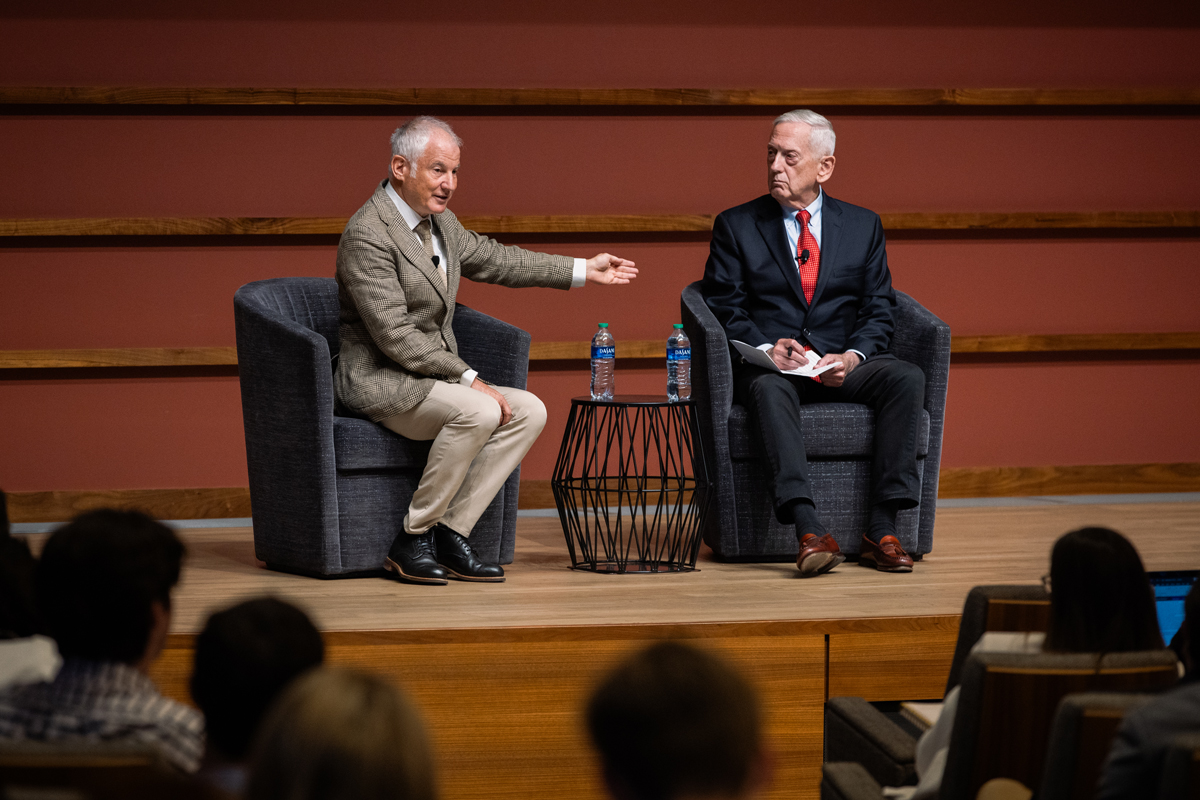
502 671
972 546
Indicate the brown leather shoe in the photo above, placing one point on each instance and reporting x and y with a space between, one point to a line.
818 555
887 556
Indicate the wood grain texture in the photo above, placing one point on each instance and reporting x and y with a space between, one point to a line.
905 665
1018 615
578 97
206 503
517 729
119 357
1182 220
1182 341
1080 479
199 503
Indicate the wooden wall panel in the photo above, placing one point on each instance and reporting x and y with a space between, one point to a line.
907 664
505 716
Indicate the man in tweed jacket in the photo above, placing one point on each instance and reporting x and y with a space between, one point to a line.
398 267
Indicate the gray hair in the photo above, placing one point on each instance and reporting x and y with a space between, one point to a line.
411 138
821 138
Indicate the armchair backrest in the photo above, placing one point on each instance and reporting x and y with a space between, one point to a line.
1007 702
997 608
1080 738
1181 769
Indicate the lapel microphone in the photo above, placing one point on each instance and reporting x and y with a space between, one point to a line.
803 257
437 262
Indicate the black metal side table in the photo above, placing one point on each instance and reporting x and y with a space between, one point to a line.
631 484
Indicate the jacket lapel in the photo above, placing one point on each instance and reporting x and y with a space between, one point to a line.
450 250
770 225
831 237
406 240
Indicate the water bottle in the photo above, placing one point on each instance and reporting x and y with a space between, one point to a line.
679 366
604 358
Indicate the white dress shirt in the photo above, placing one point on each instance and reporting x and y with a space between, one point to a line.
412 219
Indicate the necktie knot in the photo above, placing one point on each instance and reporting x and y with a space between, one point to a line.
804 217
424 230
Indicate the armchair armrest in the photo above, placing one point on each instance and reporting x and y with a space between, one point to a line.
499 352
848 781
856 731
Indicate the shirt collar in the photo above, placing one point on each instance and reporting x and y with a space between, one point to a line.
411 218
813 208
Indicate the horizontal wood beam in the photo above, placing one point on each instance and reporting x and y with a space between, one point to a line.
592 223
958 482
579 351
582 98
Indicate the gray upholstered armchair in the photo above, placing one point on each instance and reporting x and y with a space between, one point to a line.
838 438
329 492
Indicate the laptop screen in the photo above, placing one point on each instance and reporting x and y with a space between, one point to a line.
1170 589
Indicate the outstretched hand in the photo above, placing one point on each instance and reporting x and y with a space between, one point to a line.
608 269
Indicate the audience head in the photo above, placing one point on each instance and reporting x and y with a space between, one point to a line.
337 735
674 721
245 657
103 585
17 616
1100 597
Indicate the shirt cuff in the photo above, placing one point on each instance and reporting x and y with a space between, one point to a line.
861 357
468 377
579 273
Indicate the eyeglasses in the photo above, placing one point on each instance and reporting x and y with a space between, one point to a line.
1046 583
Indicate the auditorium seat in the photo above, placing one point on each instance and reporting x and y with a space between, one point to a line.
1005 711
838 438
857 731
1181 769
97 770
1083 732
329 491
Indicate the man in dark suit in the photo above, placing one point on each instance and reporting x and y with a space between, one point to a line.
795 271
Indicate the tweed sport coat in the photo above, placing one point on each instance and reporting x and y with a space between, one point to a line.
396 310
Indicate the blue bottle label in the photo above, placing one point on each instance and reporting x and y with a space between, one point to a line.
604 352
679 354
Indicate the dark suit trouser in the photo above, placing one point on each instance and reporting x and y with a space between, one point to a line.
893 389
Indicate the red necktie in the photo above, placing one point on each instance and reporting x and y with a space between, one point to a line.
807 243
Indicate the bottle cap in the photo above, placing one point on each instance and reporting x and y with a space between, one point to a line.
603 324
677 325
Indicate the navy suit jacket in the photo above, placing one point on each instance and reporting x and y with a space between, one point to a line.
752 282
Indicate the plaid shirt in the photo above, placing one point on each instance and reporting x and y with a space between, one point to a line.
103 701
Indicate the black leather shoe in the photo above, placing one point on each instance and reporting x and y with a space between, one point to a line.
413 558
454 554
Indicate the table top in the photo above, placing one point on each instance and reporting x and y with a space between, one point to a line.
630 400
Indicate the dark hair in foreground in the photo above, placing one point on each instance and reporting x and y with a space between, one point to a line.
98 578
1191 630
17 616
245 656
1100 598
338 735
674 720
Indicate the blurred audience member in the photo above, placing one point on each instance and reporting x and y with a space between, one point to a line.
336 735
103 589
1135 762
675 722
1101 601
245 657
25 656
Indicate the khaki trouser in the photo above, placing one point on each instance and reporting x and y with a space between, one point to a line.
472 454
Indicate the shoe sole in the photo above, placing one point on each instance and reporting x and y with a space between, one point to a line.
866 561
392 566
457 576
819 564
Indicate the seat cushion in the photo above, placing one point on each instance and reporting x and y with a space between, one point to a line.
362 444
831 430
